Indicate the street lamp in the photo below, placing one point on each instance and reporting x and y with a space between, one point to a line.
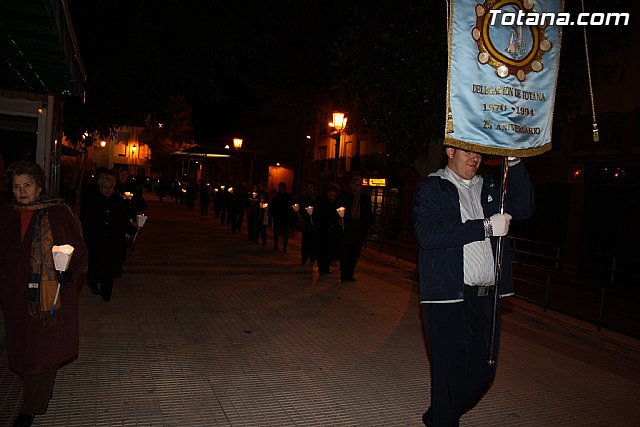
237 143
133 156
339 124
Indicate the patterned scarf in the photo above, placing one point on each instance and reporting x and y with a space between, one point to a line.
43 284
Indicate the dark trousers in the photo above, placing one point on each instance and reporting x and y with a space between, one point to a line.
458 336
251 225
204 208
307 246
324 264
236 221
37 389
106 288
277 232
349 255
262 233
106 284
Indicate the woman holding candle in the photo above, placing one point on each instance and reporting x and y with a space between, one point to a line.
39 336
105 221
356 217
326 220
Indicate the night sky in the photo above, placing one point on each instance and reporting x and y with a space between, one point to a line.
215 53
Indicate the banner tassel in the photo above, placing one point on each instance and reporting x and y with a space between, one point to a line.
449 126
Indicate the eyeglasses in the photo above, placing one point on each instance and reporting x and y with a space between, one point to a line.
471 152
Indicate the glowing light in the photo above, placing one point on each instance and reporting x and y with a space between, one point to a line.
339 121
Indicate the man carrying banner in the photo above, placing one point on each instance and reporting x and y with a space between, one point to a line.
457 224
500 96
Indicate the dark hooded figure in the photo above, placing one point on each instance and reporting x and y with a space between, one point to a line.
105 222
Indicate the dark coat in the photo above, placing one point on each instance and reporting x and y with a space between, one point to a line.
325 220
442 234
33 347
355 230
105 221
280 209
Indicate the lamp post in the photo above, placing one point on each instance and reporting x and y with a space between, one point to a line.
339 124
237 143
133 157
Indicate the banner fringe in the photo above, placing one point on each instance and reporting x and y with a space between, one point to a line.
504 152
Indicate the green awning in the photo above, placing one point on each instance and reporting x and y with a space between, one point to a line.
38 50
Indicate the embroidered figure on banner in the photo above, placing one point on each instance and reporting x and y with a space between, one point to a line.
525 44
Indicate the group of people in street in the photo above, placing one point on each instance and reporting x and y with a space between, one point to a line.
458 223
333 226
39 295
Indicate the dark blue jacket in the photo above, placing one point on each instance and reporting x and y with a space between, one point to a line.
441 233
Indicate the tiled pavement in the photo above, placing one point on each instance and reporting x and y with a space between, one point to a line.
208 329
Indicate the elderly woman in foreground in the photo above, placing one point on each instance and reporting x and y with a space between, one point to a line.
40 335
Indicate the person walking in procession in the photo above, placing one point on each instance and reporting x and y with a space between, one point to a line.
326 220
39 303
356 219
105 223
457 224
308 229
281 212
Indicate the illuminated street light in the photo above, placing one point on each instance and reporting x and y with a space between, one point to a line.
133 152
237 143
103 143
339 124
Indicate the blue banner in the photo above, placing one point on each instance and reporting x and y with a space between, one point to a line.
503 68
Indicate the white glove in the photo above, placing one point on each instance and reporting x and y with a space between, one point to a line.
500 224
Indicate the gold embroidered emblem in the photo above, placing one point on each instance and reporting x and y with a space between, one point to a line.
515 49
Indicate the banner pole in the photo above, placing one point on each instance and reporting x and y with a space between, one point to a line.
498 267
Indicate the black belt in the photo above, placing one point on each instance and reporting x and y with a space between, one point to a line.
480 291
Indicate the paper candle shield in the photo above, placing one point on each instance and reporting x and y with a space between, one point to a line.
141 218
341 211
296 207
62 256
309 210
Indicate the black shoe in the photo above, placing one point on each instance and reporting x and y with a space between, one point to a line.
23 420
94 289
427 418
